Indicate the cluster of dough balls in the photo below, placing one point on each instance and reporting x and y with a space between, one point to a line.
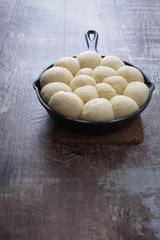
92 88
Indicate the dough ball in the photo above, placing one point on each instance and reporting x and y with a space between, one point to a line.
105 90
86 93
56 74
89 59
72 64
97 110
117 82
123 106
66 103
102 72
51 88
112 62
81 80
85 71
138 91
131 74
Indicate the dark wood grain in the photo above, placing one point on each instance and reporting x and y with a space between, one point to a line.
81 192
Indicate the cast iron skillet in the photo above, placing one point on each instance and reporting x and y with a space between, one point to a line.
93 127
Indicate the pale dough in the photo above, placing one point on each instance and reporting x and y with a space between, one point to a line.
97 110
66 103
51 88
131 74
93 89
81 80
85 71
138 91
117 82
72 64
56 74
86 93
123 106
89 59
112 62
105 90
102 72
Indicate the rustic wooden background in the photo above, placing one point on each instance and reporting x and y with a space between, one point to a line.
80 192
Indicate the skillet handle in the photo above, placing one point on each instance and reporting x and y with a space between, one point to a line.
91 42
152 87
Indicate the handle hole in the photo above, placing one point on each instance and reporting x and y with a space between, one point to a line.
91 36
91 39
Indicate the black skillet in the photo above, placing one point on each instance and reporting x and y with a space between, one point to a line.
93 127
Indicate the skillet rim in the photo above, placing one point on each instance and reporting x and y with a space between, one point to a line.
151 86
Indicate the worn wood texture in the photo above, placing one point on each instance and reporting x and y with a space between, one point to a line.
80 192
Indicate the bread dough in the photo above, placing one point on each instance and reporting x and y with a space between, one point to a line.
72 64
102 72
86 93
85 71
81 80
123 106
131 74
97 110
101 89
66 103
89 59
51 88
138 91
56 74
105 90
112 62
117 82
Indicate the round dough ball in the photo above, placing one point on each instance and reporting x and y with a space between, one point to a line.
131 74
97 110
55 74
123 106
85 71
138 91
81 80
89 59
72 64
117 82
112 62
51 88
66 103
102 72
86 93
105 90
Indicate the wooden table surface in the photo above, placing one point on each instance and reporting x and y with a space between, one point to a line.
50 191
